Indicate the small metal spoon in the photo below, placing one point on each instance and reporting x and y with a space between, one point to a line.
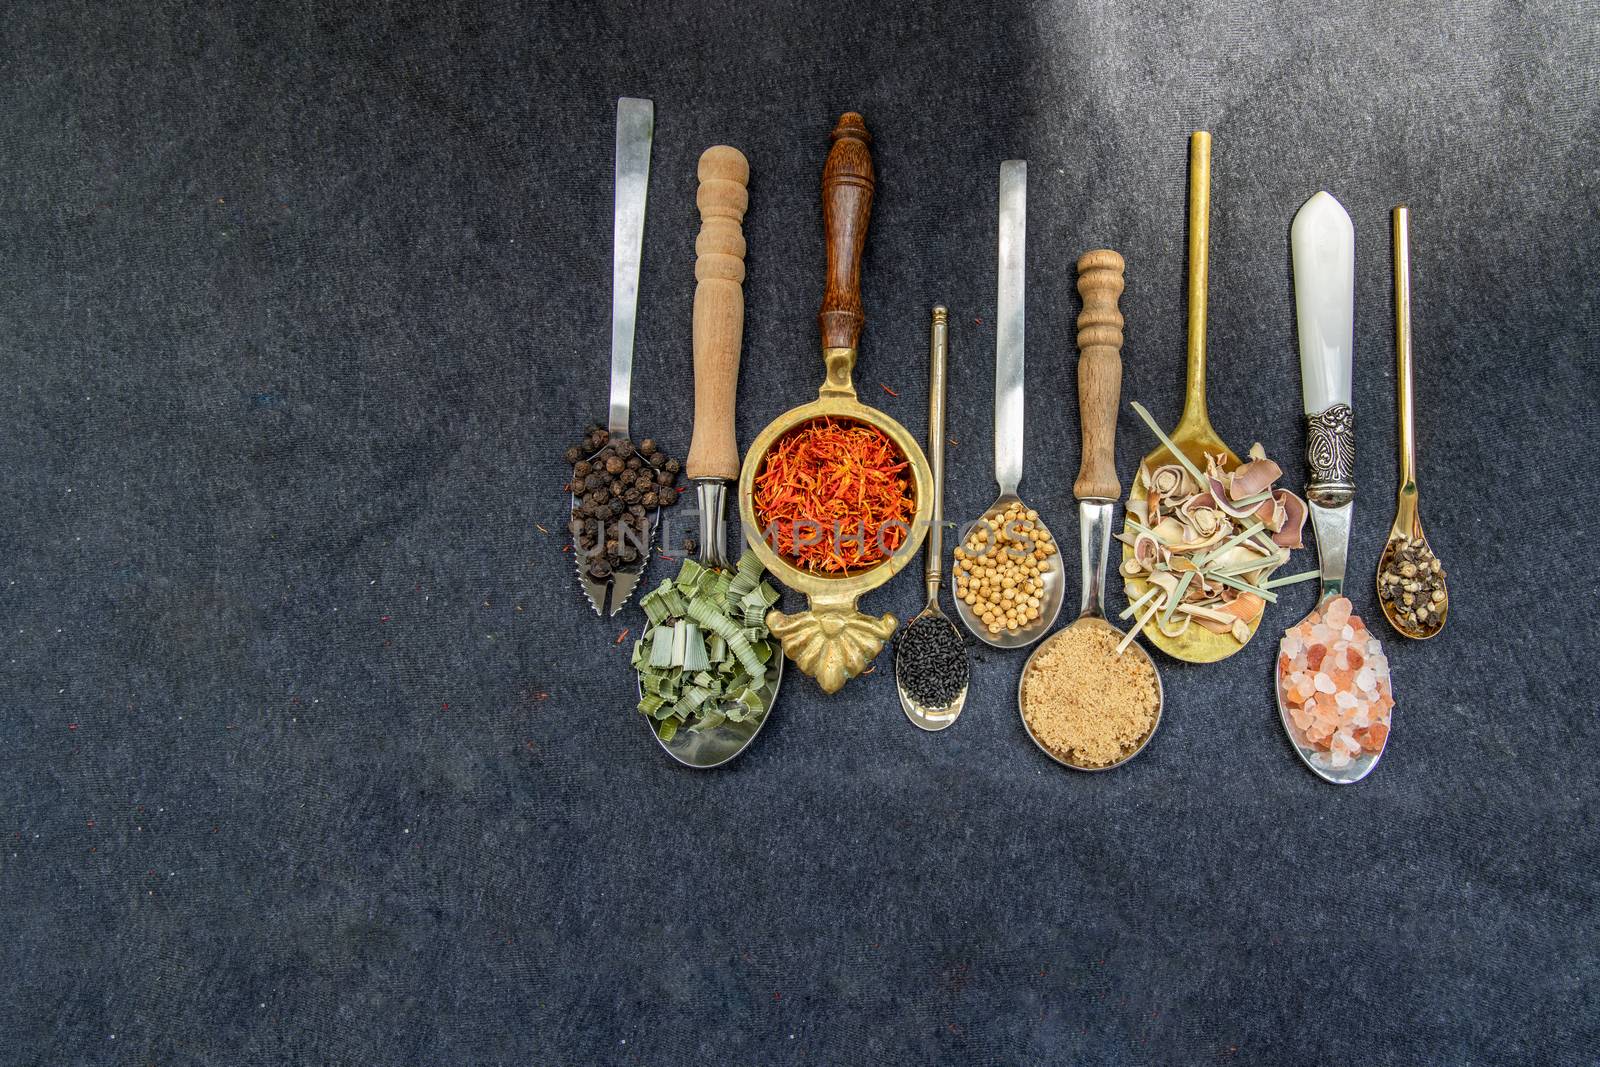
1009 407
1407 519
921 715
1099 384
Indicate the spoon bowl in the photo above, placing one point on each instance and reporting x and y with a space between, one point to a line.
1049 602
705 749
921 715
1133 649
1319 761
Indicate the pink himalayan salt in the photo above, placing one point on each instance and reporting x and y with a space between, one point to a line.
1334 682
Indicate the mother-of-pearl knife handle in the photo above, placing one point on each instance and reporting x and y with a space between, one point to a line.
1323 241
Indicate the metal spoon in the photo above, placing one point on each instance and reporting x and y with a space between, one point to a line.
635 131
931 718
1009 407
1099 383
713 450
1324 291
1407 519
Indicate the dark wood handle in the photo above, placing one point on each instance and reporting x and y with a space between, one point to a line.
1099 373
847 183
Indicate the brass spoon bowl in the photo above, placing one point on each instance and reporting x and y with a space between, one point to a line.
1194 435
1407 517
833 642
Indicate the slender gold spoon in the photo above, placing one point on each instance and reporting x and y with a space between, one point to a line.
1407 519
1193 436
932 717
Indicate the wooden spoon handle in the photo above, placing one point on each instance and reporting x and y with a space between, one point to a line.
1099 373
847 184
718 311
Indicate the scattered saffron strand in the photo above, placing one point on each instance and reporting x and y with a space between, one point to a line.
623 636
886 389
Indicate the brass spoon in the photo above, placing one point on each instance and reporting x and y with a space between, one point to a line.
1099 383
1008 411
1407 519
929 718
1193 435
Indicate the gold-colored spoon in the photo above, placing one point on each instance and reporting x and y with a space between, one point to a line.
1193 436
1407 519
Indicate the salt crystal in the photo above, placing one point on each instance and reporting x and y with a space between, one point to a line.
1367 679
1338 759
1348 633
1324 683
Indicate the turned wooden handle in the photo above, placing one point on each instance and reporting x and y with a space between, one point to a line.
718 311
847 183
1099 373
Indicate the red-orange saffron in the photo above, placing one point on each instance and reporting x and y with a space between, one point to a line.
834 496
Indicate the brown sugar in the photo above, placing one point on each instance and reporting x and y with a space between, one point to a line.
1086 704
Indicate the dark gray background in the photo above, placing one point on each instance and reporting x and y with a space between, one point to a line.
313 754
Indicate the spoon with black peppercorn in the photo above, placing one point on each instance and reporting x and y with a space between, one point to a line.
611 555
930 658
1411 580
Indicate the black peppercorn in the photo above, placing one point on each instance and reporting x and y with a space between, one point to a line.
667 497
673 466
575 527
599 569
582 469
632 495
615 489
636 510
573 454
634 463
614 465
651 500
624 448
647 446
656 459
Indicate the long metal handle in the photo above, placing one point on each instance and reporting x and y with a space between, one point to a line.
635 127
1010 301
1402 348
938 354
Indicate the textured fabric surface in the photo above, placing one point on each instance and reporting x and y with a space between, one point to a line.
313 754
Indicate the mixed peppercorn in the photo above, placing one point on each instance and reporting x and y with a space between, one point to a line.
615 485
1413 582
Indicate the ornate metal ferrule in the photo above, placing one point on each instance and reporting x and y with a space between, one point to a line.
1331 456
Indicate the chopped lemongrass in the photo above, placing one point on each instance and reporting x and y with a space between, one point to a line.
1196 562
1303 576
1260 591
1242 535
1188 465
1176 598
1133 609
1128 637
